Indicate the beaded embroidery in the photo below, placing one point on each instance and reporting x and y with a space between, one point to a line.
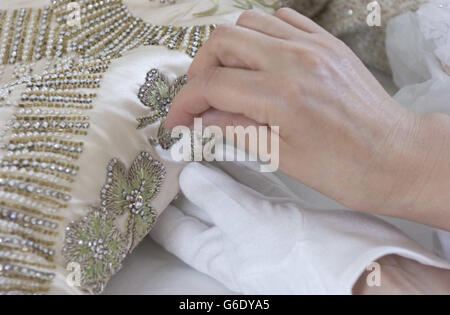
132 192
109 29
157 94
41 149
98 246
96 242
28 35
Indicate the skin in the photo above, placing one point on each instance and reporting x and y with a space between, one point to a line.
403 276
340 132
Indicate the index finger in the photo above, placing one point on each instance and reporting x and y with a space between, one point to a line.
226 89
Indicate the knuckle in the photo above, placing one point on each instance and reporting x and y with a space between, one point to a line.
208 77
246 17
314 60
309 56
321 39
330 43
191 72
296 51
221 36
222 31
283 12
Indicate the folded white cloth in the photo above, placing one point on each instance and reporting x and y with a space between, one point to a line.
260 241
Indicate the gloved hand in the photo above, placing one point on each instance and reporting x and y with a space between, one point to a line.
260 241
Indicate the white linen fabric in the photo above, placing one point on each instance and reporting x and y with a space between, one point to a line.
418 47
254 236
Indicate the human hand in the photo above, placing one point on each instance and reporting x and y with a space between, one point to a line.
405 276
252 235
340 132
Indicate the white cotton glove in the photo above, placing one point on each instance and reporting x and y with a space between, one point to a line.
263 242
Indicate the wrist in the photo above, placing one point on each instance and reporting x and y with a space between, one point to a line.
413 172
424 194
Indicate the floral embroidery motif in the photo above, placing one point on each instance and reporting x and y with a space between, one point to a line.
132 192
157 94
98 246
164 137
96 242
